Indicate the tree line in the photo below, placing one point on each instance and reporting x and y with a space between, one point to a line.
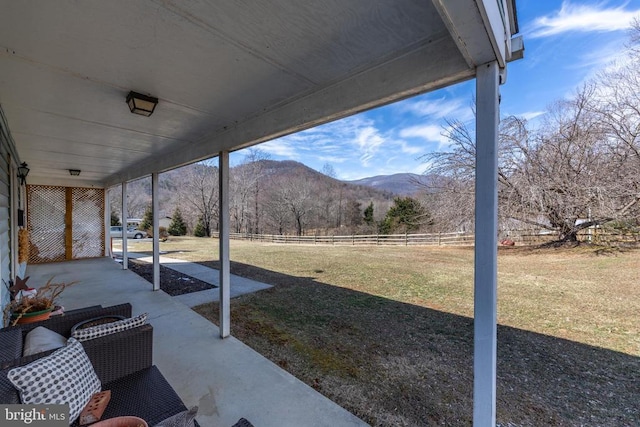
269 197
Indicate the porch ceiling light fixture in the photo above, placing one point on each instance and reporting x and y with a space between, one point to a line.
74 172
141 104
23 171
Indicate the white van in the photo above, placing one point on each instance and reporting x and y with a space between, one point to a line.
133 222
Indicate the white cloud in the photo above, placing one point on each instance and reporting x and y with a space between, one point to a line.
611 54
407 148
280 147
356 139
361 145
352 175
430 133
418 169
607 58
332 159
530 115
369 142
583 18
438 108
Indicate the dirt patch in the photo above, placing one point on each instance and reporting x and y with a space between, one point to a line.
172 282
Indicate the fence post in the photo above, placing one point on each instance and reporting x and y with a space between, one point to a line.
353 240
406 239
439 242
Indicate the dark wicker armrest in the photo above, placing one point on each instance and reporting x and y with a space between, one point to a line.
113 357
117 355
80 310
63 323
10 346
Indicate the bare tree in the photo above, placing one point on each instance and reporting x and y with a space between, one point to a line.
200 196
251 179
449 189
558 178
278 216
450 202
138 198
354 216
298 196
247 181
331 199
256 158
240 184
564 176
617 106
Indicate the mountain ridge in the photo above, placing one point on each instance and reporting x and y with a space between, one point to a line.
402 184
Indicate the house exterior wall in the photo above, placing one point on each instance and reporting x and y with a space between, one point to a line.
164 222
5 217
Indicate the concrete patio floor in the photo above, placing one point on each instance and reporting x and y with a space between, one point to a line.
225 378
239 285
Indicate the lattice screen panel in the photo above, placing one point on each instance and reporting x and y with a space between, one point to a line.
65 223
46 223
88 222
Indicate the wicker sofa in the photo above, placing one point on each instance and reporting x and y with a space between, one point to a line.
12 337
123 363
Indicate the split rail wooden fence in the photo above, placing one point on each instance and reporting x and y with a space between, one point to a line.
520 237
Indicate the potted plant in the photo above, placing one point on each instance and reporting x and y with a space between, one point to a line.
31 305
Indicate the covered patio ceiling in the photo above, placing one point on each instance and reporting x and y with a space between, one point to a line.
228 74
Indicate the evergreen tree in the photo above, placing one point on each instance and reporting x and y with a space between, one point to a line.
200 230
406 215
368 214
115 219
177 227
147 219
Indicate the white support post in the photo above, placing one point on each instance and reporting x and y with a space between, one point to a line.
225 263
125 217
155 208
108 247
486 246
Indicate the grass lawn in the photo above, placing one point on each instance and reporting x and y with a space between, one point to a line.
387 332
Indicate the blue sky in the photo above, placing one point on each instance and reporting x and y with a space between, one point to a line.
566 43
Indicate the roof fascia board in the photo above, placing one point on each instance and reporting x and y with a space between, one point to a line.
467 27
500 16
481 28
494 14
